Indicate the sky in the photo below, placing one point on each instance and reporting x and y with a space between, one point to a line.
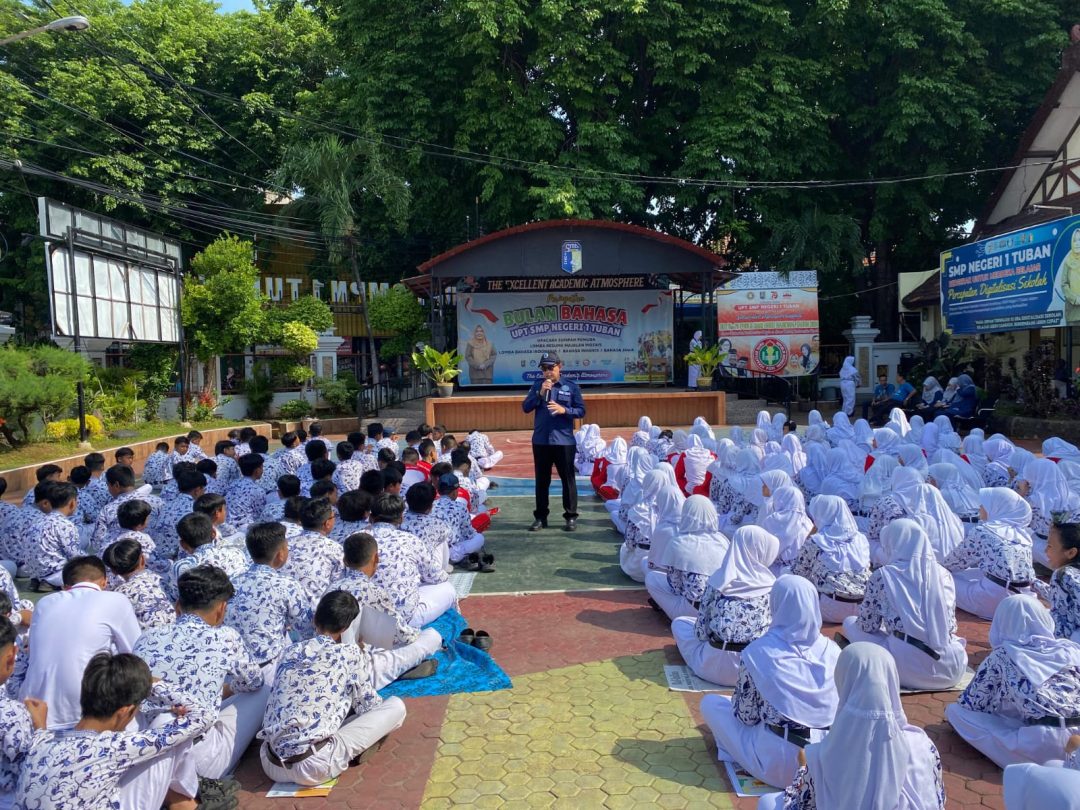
235 5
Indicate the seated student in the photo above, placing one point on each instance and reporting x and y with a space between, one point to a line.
323 710
429 454
157 469
412 439
290 515
414 471
86 511
604 477
274 507
225 534
836 558
788 522
225 457
689 559
436 531
407 567
354 509
590 446
785 697
391 477
1024 702
447 445
170 490
437 432
55 540
994 560
18 720
1044 486
481 449
321 470
641 522
384 457
96 490
408 657
268 605
259 444
103 765
899 398
739 497
1063 591
291 457
314 559
872 757
466 544
1036 787
326 488
143 588
195 448
734 610
474 497
315 451
197 542
910 610
349 467
20 612
124 456
209 468
638 463
81 620
181 453
243 442
46 472
372 483
25 524
209 661
190 485
245 499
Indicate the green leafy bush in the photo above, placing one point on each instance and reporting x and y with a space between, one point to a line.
38 381
295 409
339 394
259 390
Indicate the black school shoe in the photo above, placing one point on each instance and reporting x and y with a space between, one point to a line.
537 525
487 564
571 525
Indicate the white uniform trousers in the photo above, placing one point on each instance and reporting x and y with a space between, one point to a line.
705 661
227 739
833 610
976 594
1005 740
461 549
146 784
487 462
631 560
670 602
916 669
358 733
388 665
434 601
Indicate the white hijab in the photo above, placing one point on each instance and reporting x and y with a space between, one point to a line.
960 497
644 424
815 418
970 476
699 547
744 573
668 509
1071 470
794 449
930 387
905 481
615 453
841 428
842 546
887 442
764 421
975 450
928 507
639 439
813 474
898 421
642 513
911 455
737 435
913 582
779 461
759 438
915 434
746 476
1007 515
1060 449
999 451
1025 630
592 444
876 482
864 435
815 434
951 390
863 762
930 438
792 665
638 463
848 370
1038 787
777 431
702 430
696 461
787 521
726 451
1050 491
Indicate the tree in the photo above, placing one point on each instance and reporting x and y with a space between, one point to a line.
332 175
37 381
397 310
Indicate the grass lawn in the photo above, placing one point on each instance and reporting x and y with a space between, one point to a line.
40 452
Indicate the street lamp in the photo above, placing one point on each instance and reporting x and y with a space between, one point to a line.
63 24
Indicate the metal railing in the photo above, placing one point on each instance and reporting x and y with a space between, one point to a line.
757 385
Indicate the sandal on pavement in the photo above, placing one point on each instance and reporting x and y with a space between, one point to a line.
425 669
483 640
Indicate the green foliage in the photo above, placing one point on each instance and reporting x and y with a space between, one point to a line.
339 394
259 391
298 340
398 310
67 430
158 365
38 381
708 357
295 409
222 309
306 310
118 403
440 367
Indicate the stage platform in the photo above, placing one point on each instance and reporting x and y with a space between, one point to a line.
607 407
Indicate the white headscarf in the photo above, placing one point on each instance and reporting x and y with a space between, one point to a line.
792 665
696 462
593 443
699 547
886 442
678 439
843 547
913 582
1019 460
1071 470
841 428
787 521
911 455
1060 449
644 424
970 476
876 482
722 467
999 451
745 573
1050 491
642 513
863 762
930 387
905 482
813 474
915 434
1025 630
930 438
794 449
975 451
638 463
746 476
737 435
702 430
759 437
815 418
779 461
774 480
1038 787
616 454
777 431
960 497
898 421
1007 515
848 370
864 435
816 434
951 390
639 439
668 509
764 421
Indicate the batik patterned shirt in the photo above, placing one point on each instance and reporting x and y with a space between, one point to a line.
165 535
751 708
885 511
726 618
228 559
314 562
108 527
343 528
157 469
689 586
877 613
16 736
809 564
245 501
7 586
994 556
147 596
1063 594
266 606
347 475
50 545
405 563
454 514
368 594
431 528
999 687
227 469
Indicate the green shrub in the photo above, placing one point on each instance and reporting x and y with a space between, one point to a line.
259 391
68 429
295 409
38 381
340 394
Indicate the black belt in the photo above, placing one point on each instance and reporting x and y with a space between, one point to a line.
1043 537
796 735
1054 722
859 513
696 605
1009 585
729 646
918 644
290 761
645 546
839 597
972 519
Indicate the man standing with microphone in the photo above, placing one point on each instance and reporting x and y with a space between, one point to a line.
556 403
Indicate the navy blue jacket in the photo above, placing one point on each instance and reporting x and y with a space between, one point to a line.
547 427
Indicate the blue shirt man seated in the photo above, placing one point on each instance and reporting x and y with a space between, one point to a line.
901 394
882 392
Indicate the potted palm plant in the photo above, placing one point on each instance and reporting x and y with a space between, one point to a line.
440 367
708 359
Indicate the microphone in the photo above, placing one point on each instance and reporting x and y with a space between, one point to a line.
546 394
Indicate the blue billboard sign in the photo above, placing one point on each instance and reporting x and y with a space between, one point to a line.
1027 279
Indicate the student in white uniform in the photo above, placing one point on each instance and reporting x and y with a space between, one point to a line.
836 558
1024 702
1046 489
691 557
849 381
81 621
872 758
638 463
785 697
910 610
1063 592
788 522
994 560
734 610
641 522
668 507
1038 787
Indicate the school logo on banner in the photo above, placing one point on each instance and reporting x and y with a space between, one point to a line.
571 257
771 354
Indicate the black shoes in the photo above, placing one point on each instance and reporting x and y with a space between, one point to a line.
537 525
571 525
425 669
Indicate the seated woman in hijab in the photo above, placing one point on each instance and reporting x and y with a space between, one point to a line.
638 463
678 447
887 442
947 435
816 435
734 610
911 455
873 486
925 505
668 508
740 494
694 473
589 449
702 430
994 561
721 468
812 476
1024 702
836 559
1037 787
1057 449
898 422
787 521
962 499
864 436
948 396
926 403
641 435
764 423
608 468
1044 487
792 446
641 521
890 505
653 444
690 558
966 400
872 758
841 429
785 696
910 610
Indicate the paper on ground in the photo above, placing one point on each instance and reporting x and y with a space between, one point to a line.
291 790
744 784
681 679
965 679
462 582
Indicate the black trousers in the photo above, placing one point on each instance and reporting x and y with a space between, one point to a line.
562 456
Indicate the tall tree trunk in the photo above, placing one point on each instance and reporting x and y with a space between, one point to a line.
367 321
884 299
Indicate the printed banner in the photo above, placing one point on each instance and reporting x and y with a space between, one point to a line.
1026 279
768 322
602 336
